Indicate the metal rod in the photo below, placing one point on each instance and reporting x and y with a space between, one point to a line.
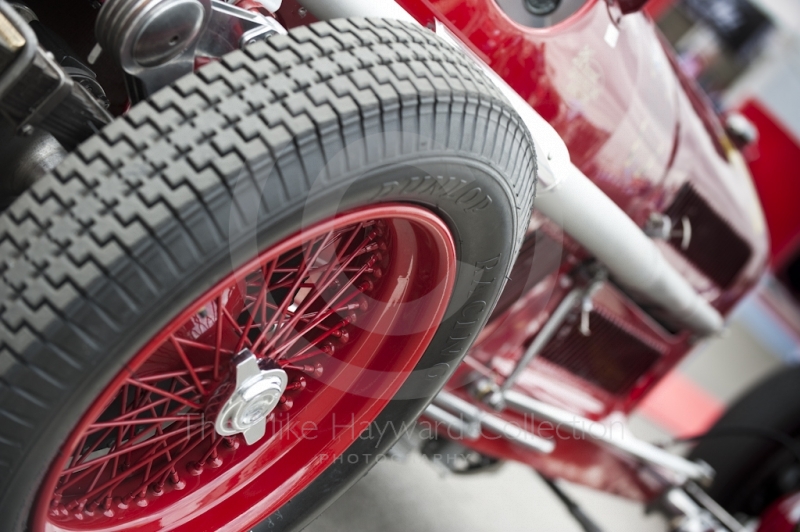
573 508
494 424
626 443
463 428
545 334
704 499
327 9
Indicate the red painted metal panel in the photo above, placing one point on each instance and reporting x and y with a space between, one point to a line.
773 160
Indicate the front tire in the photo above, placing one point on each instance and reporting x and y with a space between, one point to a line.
114 270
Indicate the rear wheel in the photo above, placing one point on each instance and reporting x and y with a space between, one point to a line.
335 210
755 447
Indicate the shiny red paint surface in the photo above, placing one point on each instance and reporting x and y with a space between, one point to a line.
656 8
782 516
773 161
640 130
344 387
631 123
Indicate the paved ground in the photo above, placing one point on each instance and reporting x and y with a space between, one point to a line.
414 497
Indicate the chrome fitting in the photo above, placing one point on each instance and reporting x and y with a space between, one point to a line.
154 41
256 394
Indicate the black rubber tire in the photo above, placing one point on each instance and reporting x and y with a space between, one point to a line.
742 447
152 211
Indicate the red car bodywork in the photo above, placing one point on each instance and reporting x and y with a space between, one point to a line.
772 160
642 133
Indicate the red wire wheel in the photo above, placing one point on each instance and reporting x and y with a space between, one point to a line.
346 308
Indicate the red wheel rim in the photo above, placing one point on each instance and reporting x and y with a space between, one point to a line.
347 308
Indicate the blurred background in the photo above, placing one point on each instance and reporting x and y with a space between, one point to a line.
746 55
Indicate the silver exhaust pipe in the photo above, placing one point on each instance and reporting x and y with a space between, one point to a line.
570 199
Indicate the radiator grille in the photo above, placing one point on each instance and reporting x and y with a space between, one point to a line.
609 357
715 248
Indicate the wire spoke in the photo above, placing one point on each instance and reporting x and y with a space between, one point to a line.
188 364
262 298
218 339
174 397
291 340
302 270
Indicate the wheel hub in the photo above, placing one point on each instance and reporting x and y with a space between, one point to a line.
256 394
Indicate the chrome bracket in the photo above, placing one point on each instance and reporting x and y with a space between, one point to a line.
690 509
231 28
580 295
662 227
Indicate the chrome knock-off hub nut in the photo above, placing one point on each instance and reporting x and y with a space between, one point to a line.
255 396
